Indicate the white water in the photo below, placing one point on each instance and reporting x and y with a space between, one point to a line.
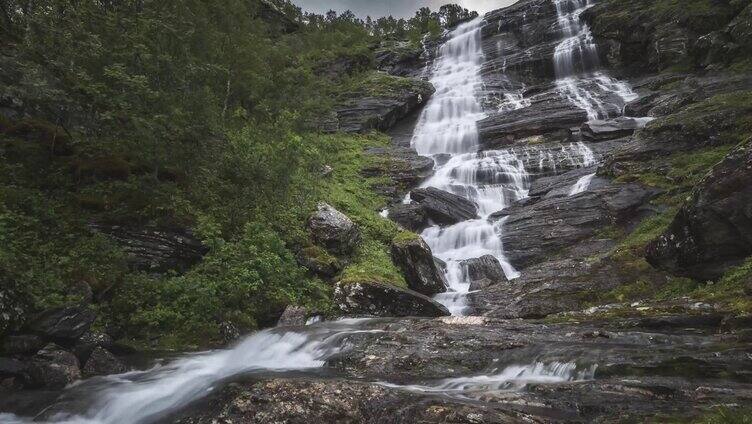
582 185
576 62
142 396
514 377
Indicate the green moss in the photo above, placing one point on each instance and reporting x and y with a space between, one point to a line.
719 415
729 291
379 84
404 237
648 230
373 263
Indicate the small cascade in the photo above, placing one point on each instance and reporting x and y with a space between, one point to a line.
513 377
145 396
582 185
576 64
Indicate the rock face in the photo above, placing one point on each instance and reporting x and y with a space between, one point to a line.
382 300
21 344
412 216
333 230
53 368
156 249
534 231
362 113
444 208
415 259
713 230
610 129
403 168
65 323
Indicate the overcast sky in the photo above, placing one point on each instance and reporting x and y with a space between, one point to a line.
397 8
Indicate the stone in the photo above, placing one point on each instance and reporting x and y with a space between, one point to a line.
63 323
333 230
156 249
10 367
27 344
399 58
53 368
412 217
600 130
402 167
484 268
293 316
414 258
444 208
482 284
367 298
712 231
102 362
89 342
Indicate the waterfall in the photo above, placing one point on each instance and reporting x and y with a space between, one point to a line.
582 185
490 179
576 63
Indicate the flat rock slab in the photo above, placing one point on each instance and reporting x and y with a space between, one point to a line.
444 208
364 298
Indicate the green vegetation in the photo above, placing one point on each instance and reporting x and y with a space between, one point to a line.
404 237
185 115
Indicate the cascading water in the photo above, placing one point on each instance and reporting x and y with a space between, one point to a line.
448 126
145 396
576 62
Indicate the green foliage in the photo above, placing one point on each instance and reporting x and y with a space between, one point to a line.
405 237
373 263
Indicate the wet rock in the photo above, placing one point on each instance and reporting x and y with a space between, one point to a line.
333 230
382 300
102 362
411 216
53 368
713 230
481 284
158 250
444 208
484 268
415 259
601 130
28 344
64 323
319 262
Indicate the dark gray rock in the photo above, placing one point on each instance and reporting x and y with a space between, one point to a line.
536 230
363 112
415 259
102 362
10 367
53 368
377 299
484 268
411 216
157 250
333 230
444 208
610 129
400 58
713 230
481 284
402 167
63 324
28 344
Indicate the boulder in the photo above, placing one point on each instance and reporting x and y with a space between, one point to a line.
27 344
333 230
90 341
713 230
601 130
293 316
415 259
398 168
444 208
64 323
156 249
53 368
383 300
102 362
484 268
410 216
10 367
481 284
